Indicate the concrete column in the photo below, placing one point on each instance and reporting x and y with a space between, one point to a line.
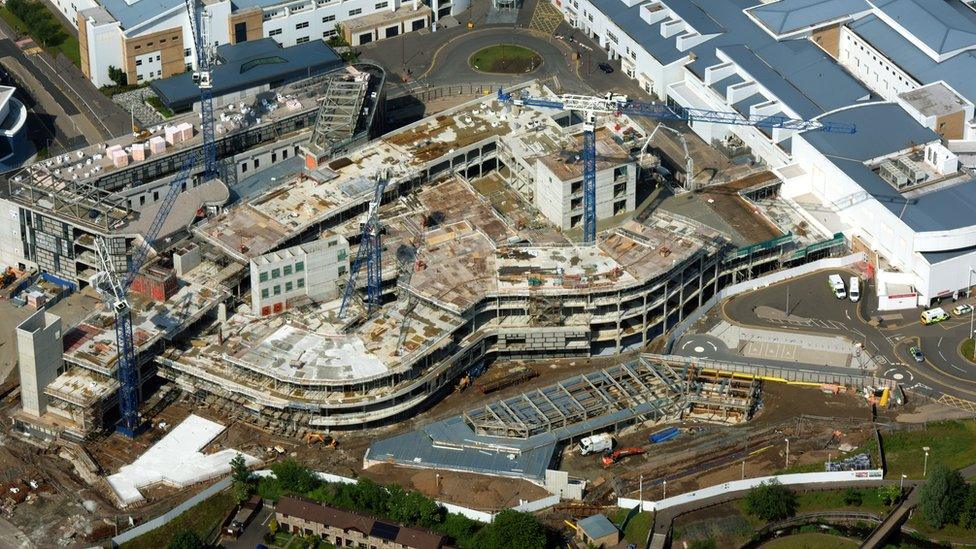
39 357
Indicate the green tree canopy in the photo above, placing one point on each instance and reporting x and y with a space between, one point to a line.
185 539
512 530
942 496
294 478
771 501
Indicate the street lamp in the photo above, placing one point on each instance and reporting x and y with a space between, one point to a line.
901 485
787 452
925 464
969 291
665 490
743 469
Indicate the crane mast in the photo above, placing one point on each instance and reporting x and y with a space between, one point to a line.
611 103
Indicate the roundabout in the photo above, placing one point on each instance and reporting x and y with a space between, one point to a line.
505 59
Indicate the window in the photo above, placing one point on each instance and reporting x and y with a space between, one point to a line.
328 19
243 167
277 290
302 25
355 12
257 163
299 266
286 270
381 5
263 277
274 32
274 157
300 282
288 286
138 62
301 40
264 293
275 273
284 154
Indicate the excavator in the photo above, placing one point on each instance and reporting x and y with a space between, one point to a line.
319 438
613 457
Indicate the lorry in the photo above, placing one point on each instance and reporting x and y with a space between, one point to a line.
664 435
836 284
244 516
596 444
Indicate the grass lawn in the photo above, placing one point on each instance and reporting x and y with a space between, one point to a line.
69 47
952 443
202 519
952 532
810 541
506 59
637 528
967 349
833 500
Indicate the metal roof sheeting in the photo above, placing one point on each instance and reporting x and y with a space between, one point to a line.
944 26
788 16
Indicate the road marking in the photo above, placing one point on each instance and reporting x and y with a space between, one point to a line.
699 349
942 355
898 377
847 314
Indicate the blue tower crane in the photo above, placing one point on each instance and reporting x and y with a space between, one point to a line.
203 76
114 290
591 106
370 249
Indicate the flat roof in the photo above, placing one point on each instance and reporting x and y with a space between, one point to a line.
787 16
935 99
250 64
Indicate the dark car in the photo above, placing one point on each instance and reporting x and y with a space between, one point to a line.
916 353
605 67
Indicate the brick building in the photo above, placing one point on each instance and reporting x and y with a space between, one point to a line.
347 529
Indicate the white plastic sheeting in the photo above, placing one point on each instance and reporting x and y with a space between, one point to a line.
176 461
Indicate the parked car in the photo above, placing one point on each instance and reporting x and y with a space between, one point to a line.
960 310
916 353
605 67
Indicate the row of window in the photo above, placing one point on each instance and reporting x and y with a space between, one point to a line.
274 155
300 283
283 271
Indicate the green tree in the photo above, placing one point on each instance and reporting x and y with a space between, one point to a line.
273 526
185 539
889 494
295 478
511 530
941 496
771 501
370 496
118 76
967 515
239 470
852 496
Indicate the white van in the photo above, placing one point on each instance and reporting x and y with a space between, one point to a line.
836 284
854 292
932 316
595 444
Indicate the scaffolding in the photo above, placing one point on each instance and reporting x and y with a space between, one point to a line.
338 115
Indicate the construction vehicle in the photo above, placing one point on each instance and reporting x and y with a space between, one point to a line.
463 383
613 457
615 104
319 438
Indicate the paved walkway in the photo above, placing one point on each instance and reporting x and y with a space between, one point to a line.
893 521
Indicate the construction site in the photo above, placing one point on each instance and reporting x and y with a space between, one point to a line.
325 285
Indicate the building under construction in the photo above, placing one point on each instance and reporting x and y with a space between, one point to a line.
522 436
481 208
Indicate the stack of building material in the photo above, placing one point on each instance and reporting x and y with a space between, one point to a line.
118 156
138 152
173 135
185 130
157 145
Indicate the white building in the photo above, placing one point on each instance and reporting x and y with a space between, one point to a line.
894 186
151 39
314 270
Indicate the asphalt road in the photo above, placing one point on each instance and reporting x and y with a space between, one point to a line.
440 58
944 370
